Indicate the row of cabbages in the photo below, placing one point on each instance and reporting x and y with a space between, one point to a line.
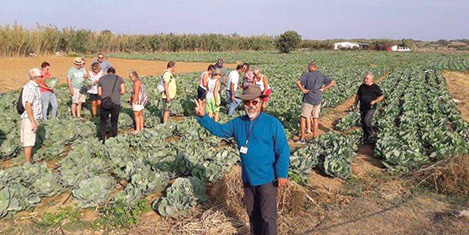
420 123
145 162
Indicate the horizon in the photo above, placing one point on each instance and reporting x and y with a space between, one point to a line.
357 19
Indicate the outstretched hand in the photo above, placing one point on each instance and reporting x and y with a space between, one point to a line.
199 107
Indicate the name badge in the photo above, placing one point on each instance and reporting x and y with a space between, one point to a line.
244 150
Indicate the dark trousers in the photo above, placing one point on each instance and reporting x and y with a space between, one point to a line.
114 111
366 117
201 93
261 206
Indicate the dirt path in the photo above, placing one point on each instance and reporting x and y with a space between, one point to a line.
458 86
364 162
14 72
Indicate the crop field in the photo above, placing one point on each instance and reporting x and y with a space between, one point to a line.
173 168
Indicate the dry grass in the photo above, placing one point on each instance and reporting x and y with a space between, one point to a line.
299 207
447 176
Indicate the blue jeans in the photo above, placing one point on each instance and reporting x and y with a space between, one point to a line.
48 97
232 105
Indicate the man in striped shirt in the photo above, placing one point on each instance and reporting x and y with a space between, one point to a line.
32 103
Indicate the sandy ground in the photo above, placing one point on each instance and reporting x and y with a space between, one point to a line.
458 86
14 72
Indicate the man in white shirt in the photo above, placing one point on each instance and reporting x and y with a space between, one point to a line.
32 103
231 87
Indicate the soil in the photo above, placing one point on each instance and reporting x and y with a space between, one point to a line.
14 72
458 86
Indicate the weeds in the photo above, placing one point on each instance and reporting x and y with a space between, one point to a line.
119 215
56 219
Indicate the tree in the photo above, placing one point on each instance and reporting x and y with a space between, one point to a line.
288 41
409 43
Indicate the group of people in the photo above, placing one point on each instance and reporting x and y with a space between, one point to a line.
260 137
104 90
212 82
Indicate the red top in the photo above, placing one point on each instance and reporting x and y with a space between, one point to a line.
43 83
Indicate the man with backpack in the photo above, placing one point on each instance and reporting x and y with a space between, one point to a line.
30 108
169 89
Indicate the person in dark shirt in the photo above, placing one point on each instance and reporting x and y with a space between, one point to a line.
369 94
110 85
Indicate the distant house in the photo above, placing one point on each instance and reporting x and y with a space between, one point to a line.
345 45
399 48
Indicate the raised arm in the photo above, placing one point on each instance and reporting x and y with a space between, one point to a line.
221 130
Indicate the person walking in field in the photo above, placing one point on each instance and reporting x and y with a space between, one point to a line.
232 87
94 75
212 101
262 82
312 85
104 64
203 82
369 95
138 100
75 78
169 93
47 94
110 89
32 103
248 78
265 157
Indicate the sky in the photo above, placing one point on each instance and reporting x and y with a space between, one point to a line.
393 19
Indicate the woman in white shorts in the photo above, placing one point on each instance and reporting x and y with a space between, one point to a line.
94 75
138 99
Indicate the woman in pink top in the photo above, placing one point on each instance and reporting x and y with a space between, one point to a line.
47 94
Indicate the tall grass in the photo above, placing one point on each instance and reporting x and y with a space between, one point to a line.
15 40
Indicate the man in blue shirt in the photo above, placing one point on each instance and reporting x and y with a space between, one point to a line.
265 157
312 85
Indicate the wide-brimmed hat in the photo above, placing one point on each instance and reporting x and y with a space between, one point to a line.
77 60
252 92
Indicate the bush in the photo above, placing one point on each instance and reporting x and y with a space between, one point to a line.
288 41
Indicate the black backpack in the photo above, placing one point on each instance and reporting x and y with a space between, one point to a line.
19 105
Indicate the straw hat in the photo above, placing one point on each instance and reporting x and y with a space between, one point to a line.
77 60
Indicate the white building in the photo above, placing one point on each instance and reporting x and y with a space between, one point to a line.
345 45
399 48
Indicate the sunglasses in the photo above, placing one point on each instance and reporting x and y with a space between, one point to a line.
249 102
100 58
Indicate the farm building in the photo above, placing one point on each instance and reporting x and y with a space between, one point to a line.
399 48
345 45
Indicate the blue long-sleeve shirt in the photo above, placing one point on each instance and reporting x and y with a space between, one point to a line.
268 155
